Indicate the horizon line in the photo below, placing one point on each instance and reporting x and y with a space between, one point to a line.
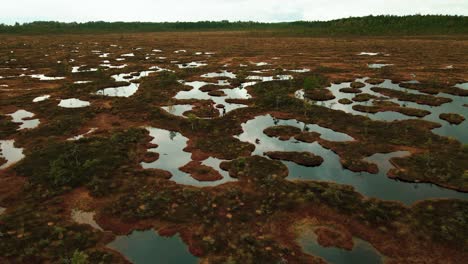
223 20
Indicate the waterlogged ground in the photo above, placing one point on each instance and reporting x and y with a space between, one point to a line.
217 148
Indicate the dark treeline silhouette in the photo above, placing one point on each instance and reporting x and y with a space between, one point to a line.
369 25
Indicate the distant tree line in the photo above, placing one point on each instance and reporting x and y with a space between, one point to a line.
369 25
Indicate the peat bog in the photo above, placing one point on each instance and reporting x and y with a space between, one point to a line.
228 147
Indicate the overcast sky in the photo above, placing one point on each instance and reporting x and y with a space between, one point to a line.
195 10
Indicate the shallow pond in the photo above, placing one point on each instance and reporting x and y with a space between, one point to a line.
41 98
172 157
270 78
178 110
42 77
73 103
234 93
76 69
362 252
462 85
300 70
446 129
147 247
369 53
110 66
371 185
23 118
9 152
259 64
223 74
159 69
126 90
193 64
378 65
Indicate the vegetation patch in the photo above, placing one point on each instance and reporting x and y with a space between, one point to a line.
435 87
410 97
308 137
255 168
315 88
357 85
350 90
216 93
345 101
92 161
434 167
201 172
223 147
363 97
388 106
36 233
452 118
374 81
282 132
329 237
302 158
7 127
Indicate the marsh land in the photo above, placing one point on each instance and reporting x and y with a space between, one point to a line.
233 147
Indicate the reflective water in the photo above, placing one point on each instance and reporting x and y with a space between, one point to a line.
362 252
377 65
462 85
159 69
76 69
42 77
193 64
10 153
127 90
73 103
172 156
23 117
300 70
224 74
178 110
371 185
41 98
446 129
196 93
234 93
147 247
110 66
259 64
270 78
369 53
